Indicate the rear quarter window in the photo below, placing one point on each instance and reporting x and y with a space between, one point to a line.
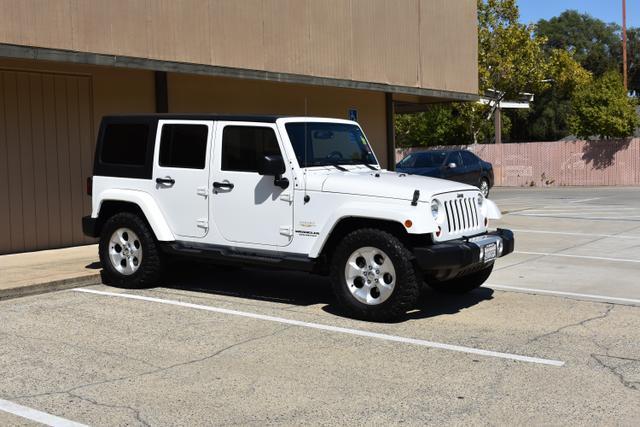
125 147
125 144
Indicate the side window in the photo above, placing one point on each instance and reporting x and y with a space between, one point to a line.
125 144
183 146
454 157
244 146
468 158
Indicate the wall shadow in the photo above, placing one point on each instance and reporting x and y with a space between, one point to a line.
601 153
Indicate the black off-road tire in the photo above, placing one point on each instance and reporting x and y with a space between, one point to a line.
406 290
151 267
463 284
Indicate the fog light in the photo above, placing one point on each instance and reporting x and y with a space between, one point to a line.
438 232
500 247
482 253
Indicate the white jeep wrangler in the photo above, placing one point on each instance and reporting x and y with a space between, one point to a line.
284 192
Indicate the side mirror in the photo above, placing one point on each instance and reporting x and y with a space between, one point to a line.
273 165
452 166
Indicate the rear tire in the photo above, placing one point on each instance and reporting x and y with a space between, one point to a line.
373 276
463 284
129 253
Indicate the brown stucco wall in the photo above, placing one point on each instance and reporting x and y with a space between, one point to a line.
193 93
428 44
49 117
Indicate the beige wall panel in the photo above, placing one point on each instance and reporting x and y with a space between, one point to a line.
47 137
51 146
286 35
419 43
64 166
36 23
13 155
330 46
39 160
25 139
233 24
448 46
5 216
87 140
113 26
179 31
199 94
76 185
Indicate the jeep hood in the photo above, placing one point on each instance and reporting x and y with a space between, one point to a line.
390 185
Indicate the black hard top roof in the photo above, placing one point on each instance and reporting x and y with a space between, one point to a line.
199 116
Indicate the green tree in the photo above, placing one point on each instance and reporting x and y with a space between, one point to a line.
602 108
595 44
546 120
510 61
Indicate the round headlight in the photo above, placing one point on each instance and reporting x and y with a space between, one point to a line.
435 208
480 200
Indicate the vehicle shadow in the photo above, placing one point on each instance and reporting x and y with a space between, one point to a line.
300 289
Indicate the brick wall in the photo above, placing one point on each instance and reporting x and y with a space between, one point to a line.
589 163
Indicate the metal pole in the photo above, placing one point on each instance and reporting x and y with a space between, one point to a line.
624 43
497 121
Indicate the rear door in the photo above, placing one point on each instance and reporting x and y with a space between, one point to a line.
181 175
248 207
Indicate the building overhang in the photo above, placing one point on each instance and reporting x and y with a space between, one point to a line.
405 94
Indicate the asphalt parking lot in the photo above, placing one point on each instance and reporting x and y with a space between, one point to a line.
552 338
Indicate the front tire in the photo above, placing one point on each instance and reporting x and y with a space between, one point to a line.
463 284
129 253
373 276
484 187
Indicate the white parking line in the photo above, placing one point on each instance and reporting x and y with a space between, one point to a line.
570 294
585 200
37 416
615 236
578 256
358 332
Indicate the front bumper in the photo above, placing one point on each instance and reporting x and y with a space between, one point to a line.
461 254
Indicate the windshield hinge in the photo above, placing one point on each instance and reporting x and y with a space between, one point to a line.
416 196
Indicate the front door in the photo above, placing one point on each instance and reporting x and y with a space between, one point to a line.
181 175
248 207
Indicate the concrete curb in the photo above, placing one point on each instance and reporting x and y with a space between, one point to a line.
45 287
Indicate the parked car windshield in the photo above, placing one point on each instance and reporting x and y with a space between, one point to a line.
322 144
429 159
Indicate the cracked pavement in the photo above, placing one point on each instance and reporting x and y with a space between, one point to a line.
108 361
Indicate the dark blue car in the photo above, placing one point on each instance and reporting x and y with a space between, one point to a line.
455 165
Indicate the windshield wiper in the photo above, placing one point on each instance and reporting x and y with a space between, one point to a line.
337 166
361 162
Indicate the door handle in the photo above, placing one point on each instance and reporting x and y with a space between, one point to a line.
165 181
227 185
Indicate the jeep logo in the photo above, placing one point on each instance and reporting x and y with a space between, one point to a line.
460 195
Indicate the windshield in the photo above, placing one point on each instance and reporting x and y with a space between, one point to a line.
322 144
429 159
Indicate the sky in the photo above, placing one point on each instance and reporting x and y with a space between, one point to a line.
607 10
